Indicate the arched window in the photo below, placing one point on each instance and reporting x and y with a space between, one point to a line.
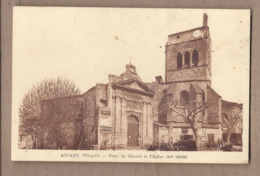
195 58
179 60
187 59
184 98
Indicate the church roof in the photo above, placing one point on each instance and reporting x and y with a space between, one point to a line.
228 104
135 85
190 30
214 91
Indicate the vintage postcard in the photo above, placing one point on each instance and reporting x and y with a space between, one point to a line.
130 85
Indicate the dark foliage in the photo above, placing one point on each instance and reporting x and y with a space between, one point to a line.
29 111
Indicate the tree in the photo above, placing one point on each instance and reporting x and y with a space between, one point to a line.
29 110
234 121
62 121
193 113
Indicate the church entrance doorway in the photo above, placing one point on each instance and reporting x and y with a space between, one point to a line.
132 131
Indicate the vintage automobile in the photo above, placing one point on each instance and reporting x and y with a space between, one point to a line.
186 145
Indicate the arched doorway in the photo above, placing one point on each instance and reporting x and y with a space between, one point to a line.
132 131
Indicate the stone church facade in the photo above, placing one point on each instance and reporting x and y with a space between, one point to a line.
127 113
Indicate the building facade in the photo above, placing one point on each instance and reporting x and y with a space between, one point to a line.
127 113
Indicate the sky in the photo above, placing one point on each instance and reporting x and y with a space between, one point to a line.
86 44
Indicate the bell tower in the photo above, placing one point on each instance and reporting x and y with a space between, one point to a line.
188 55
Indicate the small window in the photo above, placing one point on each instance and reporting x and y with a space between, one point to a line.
187 59
195 58
103 102
178 36
179 60
184 98
203 97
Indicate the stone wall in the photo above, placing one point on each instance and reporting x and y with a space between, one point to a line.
163 134
193 73
231 109
125 104
90 119
104 128
214 107
101 95
157 99
217 133
176 133
156 139
202 44
187 36
76 121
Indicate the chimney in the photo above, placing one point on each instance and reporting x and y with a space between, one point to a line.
205 19
159 79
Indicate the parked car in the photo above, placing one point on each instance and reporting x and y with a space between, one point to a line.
186 145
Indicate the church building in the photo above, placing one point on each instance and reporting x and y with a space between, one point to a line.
127 113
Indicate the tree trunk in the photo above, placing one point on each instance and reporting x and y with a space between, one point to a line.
195 131
229 135
34 142
197 139
79 142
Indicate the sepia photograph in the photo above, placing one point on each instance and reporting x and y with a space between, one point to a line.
130 85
